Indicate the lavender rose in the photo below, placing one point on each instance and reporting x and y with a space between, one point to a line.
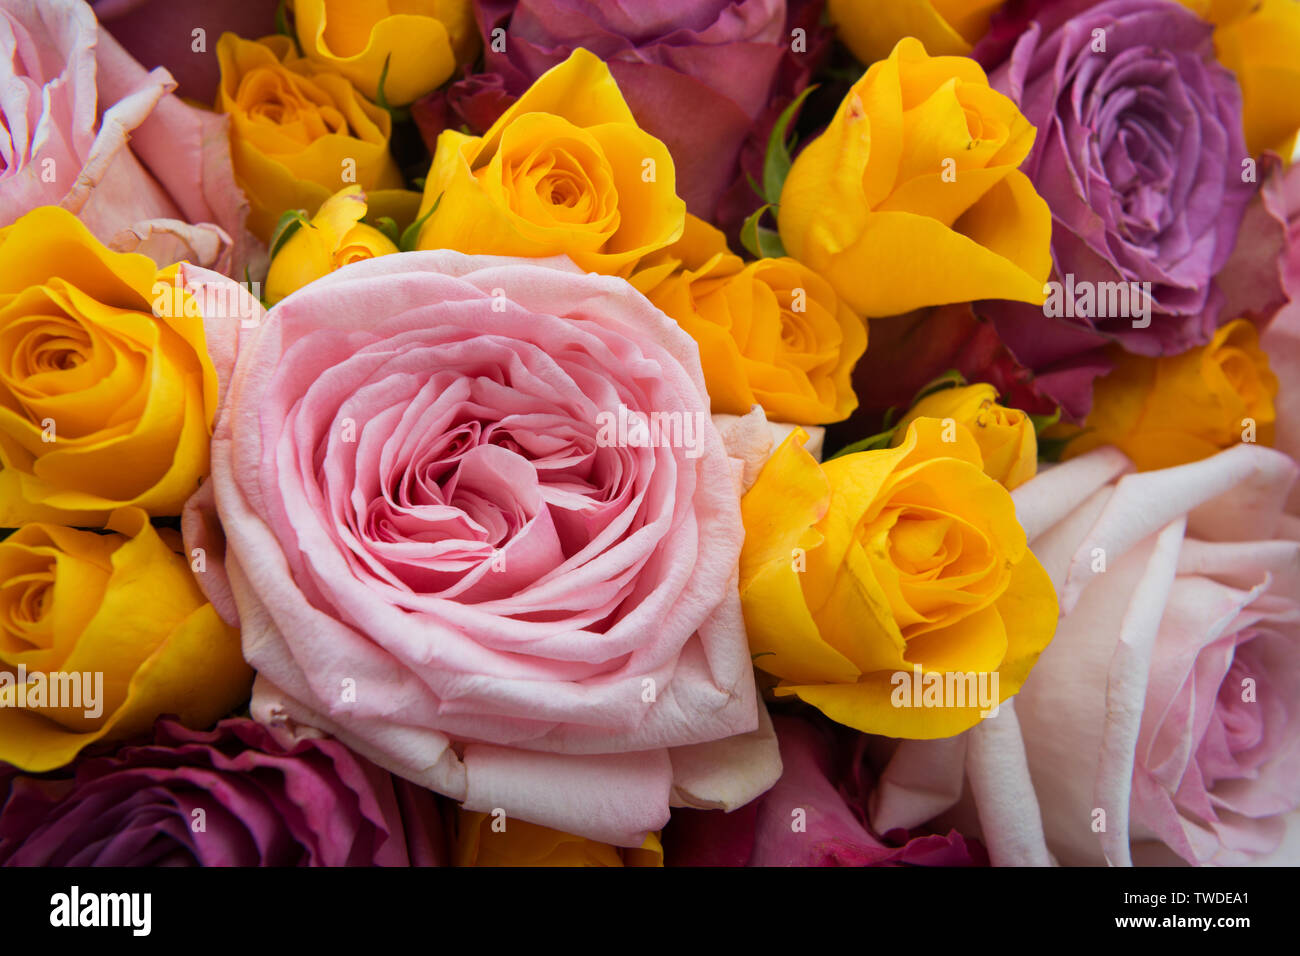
1140 156
231 796
697 74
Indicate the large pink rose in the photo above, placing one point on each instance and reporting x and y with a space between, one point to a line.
1164 719
87 128
442 549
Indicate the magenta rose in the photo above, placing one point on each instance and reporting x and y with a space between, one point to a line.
799 65
815 815
1139 154
480 527
162 33
87 128
230 796
697 74
911 350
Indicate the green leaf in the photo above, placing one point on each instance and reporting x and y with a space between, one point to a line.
380 98
749 231
884 439
870 443
388 226
1051 449
777 161
412 234
289 222
250 286
400 114
949 379
769 243
760 241
1044 422
849 74
282 24
282 19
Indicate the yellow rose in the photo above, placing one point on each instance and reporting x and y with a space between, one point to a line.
298 132
946 27
1171 410
912 198
1258 40
1007 441
334 237
420 42
104 402
772 332
527 844
870 579
564 171
100 634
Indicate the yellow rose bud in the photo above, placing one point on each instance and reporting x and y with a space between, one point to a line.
912 198
871 579
1007 441
772 332
1258 40
1175 409
100 634
418 42
298 132
479 843
946 27
334 237
564 171
107 393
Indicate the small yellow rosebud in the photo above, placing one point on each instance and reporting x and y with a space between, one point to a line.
1006 436
335 237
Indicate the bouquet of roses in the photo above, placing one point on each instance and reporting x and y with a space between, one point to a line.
742 432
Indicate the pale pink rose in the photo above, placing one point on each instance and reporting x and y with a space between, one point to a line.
87 128
438 554
1163 721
